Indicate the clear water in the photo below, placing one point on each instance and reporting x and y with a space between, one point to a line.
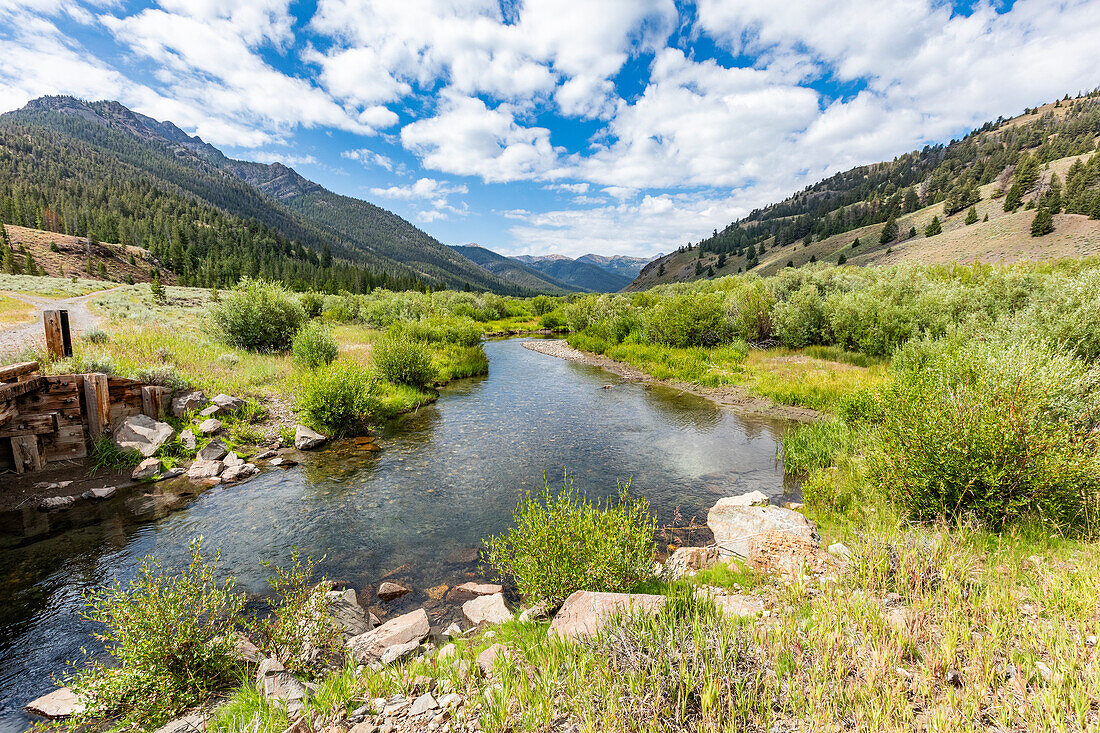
448 476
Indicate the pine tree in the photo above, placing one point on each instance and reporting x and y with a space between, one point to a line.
986 217
29 266
971 216
661 268
855 243
698 268
721 260
7 261
890 231
790 263
912 232
1043 223
813 258
842 259
160 295
933 228
710 272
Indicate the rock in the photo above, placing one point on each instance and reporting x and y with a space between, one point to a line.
1090 640
187 402
452 631
171 473
447 651
584 612
104 492
473 590
204 469
210 426
147 469
285 687
192 722
283 462
245 650
794 505
239 473
423 704
782 552
486 610
264 455
58 704
690 560
143 434
269 665
735 523
487 658
346 611
397 652
839 549
538 612
232 459
187 439
753 498
389 591
210 411
56 503
215 450
954 678
368 647
227 403
436 592
306 439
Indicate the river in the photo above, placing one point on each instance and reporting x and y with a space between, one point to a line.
448 475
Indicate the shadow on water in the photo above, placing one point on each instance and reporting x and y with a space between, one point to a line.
448 476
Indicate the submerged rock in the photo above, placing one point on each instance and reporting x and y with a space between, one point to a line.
389 591
143 434
306 439
56 503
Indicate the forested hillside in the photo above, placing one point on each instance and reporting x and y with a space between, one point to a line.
99 169
1039 163
513 270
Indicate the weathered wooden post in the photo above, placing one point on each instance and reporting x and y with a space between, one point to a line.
59 342
97 402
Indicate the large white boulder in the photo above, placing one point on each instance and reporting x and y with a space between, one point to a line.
486 610
736 521
143 434
369 647
306 439
58 704
584 612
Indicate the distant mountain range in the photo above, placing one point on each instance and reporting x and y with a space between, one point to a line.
98 168
558 273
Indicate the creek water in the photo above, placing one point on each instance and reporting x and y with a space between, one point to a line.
448 476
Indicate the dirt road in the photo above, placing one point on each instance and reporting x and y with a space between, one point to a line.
16 338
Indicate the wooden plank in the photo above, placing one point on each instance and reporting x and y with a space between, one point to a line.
8 410
24 450
23 424
97 404
67 443
55 340
11 371
153 400
18 389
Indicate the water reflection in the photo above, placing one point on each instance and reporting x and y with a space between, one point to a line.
448 475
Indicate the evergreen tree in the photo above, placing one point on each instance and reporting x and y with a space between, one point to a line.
29 266
813 258
7 261
889 231
1043 223
698 268
855 243
842 259
160 295
790 263
710 272
661 268
971 216
912 232
933 227
721 260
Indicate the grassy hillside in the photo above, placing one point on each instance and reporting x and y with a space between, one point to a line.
64 255
822 222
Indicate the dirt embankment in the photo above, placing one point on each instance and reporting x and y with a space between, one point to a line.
733 397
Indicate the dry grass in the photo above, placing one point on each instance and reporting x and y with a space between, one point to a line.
69 260
14 312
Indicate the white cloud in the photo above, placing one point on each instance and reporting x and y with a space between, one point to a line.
429 190
368 158
287 159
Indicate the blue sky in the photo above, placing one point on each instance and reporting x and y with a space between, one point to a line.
570 126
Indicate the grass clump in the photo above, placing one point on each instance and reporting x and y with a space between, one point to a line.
565 543
402 360
337 399
991 431
258 315
169 637
313 346
106 454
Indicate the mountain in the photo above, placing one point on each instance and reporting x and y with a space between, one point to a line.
1004 170
628 267
514 271
99 168
576 273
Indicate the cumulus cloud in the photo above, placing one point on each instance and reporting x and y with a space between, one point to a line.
430 191
368 158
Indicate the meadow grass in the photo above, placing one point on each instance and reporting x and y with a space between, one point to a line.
52 287
14 312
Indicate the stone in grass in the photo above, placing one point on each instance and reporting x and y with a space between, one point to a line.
210 411
143 434
486 610
210 426
186 402
215 450
488 658
423 704
736 521
204 469
839 549
306 439
227 403
147 469
369 647
389 591
397 652
187 439
58 704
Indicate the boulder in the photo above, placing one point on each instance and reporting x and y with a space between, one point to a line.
204 469
58 704
232 459
268 666
143 434
210 411
239 472
103 492
584 612
690 560
187 439
346 611
389 591
839 549
488 658
306 439
227 403
215 450
368 647
397 652
210 426
187 402
245 650
147 469
735 522
753 498
779 551
192 722
473 590
265 455
56 503
486 610
281 462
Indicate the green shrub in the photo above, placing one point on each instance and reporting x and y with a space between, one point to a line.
553 321
312 303
162 375
439 329
991 431
169 638
96 336
800 320
403 361
689 319
258 315
541 305
814 445
313 346
452 361
337 399
558 545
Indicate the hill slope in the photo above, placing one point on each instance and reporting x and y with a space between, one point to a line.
576 273
513 270
1055 142
108 163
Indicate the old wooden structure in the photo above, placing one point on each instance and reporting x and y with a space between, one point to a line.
58 417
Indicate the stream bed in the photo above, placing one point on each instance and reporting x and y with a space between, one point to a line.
448 476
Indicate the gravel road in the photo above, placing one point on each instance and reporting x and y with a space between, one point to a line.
17 338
